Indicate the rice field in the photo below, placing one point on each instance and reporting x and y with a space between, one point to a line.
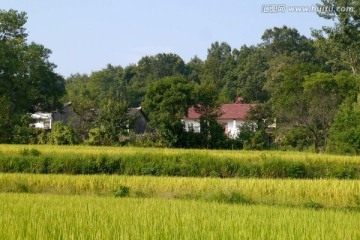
327 193
24 216
73 192
55 150
175 162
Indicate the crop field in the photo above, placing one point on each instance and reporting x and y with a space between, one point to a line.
323 193
175 162
52 192
88 217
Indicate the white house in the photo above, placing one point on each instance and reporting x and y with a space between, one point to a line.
41 120
232 116
45 120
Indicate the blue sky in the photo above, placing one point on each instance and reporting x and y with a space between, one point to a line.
87 35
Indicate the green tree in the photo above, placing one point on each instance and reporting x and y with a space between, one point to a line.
88 94
62 135
324 93
167 102
287 41
344 36
27 78
83 103
113 122
250 71
345 131
207 105
310 100
194 69
150 69
218 68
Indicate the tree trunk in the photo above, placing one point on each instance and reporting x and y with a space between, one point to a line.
316 139
317 144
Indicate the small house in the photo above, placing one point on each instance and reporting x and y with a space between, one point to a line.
67 115
231 117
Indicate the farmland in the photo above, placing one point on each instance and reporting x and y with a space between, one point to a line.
179 162
85 200
297 193
88 217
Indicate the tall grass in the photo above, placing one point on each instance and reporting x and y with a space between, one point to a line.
68 217
175 162
308 193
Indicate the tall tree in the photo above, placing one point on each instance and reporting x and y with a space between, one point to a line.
345 131
219 64
287 47
207 105
344 36
113 122
194 69
166 102
152 68
251 67
27 78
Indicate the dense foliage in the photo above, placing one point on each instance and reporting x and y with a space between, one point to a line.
27 78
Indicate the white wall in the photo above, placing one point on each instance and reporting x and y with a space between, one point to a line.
41 120
195 124
231 126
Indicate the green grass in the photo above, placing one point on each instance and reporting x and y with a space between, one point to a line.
300 193
175 162
24 216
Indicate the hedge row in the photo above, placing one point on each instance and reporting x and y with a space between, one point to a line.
186 165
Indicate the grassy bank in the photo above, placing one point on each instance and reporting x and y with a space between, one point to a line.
175 162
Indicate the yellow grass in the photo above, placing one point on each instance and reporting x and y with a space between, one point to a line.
236 154
329 193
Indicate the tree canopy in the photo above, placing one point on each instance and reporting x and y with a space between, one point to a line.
27 78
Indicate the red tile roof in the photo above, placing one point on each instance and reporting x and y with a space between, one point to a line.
228 111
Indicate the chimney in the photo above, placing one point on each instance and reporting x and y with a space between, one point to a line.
239 100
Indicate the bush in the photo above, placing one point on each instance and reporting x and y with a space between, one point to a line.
30 152
63 135
345 131
231 198
296 139
313 205
124 191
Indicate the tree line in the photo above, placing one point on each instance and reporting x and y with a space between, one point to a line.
310 85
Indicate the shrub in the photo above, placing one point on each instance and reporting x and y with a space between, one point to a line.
63 135
313 205
124 191
297 139
345 131
230 197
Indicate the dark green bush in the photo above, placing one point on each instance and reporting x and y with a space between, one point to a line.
231 198
313 205
30 152
124 191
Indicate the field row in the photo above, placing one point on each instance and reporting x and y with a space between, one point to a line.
173 162
24 216
232 154
302 193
